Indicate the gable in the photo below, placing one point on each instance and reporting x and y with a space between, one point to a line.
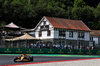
43 25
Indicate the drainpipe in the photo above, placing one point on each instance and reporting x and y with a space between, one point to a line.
77 39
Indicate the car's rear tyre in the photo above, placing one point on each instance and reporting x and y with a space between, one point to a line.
31 58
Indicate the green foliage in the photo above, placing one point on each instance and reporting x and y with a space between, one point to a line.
97 12
77 13
27 13
92 3
2 23
96 23
79 3
49 9
69 12
85 14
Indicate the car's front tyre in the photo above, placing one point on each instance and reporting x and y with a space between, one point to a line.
15 60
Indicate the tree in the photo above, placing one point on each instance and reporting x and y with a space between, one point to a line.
49 8
85 14
96 23
2 23
69 12
77 13
97 12
18 11
27 13
79 3
92 3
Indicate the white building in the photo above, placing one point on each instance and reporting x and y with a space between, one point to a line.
63 31
95 38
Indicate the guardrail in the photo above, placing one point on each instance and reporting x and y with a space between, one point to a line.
47 51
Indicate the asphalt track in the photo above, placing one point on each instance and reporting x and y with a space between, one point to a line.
8 59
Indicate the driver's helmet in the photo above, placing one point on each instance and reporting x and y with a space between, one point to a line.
23 54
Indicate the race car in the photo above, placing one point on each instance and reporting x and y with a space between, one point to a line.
24 58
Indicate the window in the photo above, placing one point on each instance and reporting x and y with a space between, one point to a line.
81 35
40 33
42 27
91 38
47 26
44 22
62 33
71 34
48 33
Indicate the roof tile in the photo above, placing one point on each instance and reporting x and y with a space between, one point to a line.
95 33
67 24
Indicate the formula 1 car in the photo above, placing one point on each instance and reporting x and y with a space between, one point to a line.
24 58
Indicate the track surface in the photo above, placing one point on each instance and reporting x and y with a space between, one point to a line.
8 59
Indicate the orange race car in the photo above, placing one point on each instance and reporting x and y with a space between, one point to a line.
24 58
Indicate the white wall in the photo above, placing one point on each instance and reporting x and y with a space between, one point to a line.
71 38
44 35
67 35
87 36
95 38
56 34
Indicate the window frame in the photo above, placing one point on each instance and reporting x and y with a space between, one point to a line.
40 33
91 38
48 32
71 34
62 33
44 22
80 34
